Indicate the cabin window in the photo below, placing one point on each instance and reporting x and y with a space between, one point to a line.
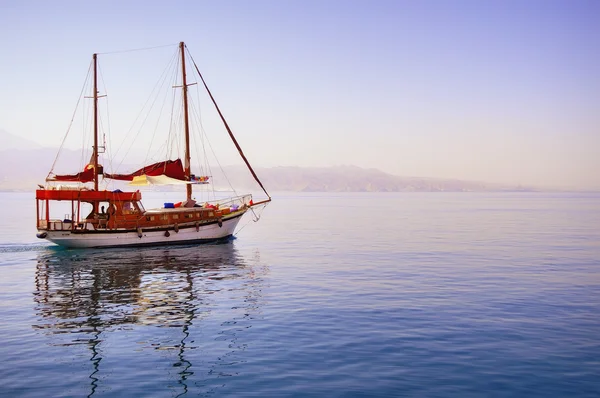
164 217
149 218
188 215
175 216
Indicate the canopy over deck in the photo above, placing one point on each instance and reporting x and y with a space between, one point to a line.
86 195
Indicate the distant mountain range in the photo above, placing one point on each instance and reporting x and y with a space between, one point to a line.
24 164
24 169
349 179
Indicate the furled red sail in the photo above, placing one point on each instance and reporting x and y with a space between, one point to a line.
86 175
170 168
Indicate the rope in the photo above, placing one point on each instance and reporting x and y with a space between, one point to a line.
105 143
220 166
229 130
137 49
205 168
202 133
157 87
71 122
160 112
171 139
204 136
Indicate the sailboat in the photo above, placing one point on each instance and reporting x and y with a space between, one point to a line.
118 218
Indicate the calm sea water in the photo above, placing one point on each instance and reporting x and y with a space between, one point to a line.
336 295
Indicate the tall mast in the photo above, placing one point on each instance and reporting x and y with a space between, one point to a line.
186 123
95 124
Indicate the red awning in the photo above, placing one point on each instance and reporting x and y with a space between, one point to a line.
86 195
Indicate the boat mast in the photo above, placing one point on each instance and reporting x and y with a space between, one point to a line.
186 124
95 125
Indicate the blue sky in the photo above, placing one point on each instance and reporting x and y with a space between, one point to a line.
499 91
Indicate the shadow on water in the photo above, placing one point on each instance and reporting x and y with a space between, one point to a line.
85 297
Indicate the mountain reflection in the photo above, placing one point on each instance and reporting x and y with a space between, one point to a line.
87 297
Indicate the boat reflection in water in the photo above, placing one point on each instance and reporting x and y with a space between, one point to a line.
136 308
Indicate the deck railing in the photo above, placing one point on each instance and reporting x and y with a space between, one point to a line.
237 200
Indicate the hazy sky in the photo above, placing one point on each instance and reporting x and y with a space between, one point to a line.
499 91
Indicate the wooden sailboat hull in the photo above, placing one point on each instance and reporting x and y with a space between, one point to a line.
151 237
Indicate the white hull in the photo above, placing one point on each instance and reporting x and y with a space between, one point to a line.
115 238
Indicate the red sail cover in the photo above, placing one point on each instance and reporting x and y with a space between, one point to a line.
170 168
86 175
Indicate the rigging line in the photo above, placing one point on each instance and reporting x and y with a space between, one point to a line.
153 156
168 146
84 128
86 139
202 133
158 154
179 130
160 112
102 129
71 122
205 169
172 79
209 169
173 131
161 78
106 150
161 81
219 164
229 130
137 49
220 167
193 134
